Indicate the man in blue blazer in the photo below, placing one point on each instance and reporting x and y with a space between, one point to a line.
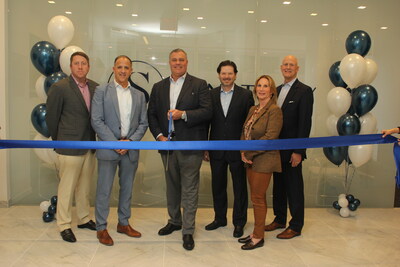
118 114
231 105
186 99
68 119
296 101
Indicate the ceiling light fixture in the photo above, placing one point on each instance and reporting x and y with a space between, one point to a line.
145 40
384 28
203 27
286 2
134 15
200 18
134 24
263 21
227 51
250 11
51 2
325 24
68 12
185 9
119 5
314 14
362 7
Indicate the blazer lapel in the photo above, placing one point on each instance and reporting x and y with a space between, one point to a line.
235 98
290 95
217 98
265 109
185 89
114 97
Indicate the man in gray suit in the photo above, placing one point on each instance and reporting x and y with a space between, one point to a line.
186 99
118 113
68 119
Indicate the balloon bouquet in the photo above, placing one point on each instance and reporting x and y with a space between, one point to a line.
52 60
350 103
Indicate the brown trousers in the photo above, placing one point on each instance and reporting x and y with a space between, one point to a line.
259 183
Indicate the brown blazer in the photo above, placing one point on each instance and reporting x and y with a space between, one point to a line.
266 127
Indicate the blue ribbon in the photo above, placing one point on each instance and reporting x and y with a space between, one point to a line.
396 152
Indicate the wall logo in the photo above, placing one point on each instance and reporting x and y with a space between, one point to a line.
143 77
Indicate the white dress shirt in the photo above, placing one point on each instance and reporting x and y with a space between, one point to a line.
125 107
284 91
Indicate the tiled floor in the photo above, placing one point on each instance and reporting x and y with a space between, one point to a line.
371 238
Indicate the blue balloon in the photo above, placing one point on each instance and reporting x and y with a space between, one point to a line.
348 124
52 209
352 207
53 200
358 42
38 119
47 217
334 75
336 155
53 78
45 57
357 202
364 99
336 205
350 198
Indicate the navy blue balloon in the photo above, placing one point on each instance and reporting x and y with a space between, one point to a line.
336 205
38 119
53 200
334 75
52 209
45 57
336 155
352 207
348 124
364 99
350 198
358 42
53 78
357 202
47 217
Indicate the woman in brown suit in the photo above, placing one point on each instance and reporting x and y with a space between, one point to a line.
264 122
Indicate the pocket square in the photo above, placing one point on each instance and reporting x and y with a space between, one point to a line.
291 101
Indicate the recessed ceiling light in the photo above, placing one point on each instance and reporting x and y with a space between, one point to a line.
51 2
153 58
325 24
200 18
134 24
263 21
203 27
186 9
384 28
265 53
119 5
286 2
110 46
362 7
250 11
68 12
134 15
314 14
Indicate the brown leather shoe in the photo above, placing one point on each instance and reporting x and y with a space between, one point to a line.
288 234
104 238
128 230
273 226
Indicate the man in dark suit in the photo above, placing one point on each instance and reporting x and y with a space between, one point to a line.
296 101
231 104
118 114
187 100
68 119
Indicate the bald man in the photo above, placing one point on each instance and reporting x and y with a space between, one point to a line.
296 101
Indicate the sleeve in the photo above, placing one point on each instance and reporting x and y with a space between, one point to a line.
305 117
54 106
203 113
152 113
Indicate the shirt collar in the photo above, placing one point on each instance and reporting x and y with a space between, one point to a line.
117 85
291 82
183 77
80 85
229 91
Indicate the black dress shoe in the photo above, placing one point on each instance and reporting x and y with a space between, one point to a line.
169 228
188 242
214 225
238 231
244 240
250 245
89 225
68 235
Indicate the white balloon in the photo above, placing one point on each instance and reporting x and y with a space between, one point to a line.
341 196
65 57
344 212
60 30
352 70
339 101
44 205
331 123
371 71
368 124
39 86
42 152
343 202
359 155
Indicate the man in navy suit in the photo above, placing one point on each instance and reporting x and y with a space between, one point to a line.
296 101
118 114
68 119
231 104
186 100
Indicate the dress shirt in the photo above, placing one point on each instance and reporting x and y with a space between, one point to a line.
84 88
284 91
175 88
226 97
125 107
